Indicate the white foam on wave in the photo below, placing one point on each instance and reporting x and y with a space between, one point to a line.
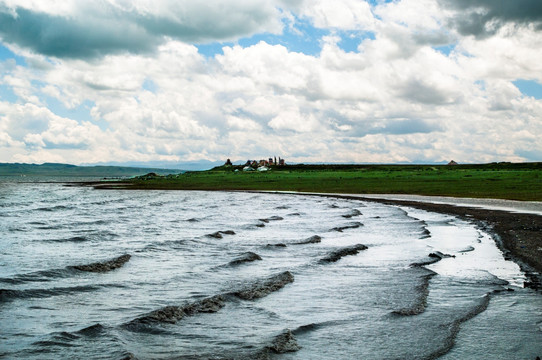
451 236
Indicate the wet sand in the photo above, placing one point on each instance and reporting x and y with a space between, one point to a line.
514 206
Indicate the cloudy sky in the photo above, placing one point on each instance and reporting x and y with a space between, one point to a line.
92 81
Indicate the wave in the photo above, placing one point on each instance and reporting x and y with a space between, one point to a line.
284 343
246 257
353 225
218 234
425 233
434 258
51 227
282 207
352 213
339 254
89 235
455 325
272 218
104 202
37 276
51 343
49 275
277 245
70 239
41 223
105 266
280 344
303 329
54 208
423 223
95 337
7 295
128 356
420 302
264 287
467 249
90 331
315 239
422 290
95 222
171 314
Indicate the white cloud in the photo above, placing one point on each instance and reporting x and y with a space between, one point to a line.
420 15
39 127
34 140
242 124
510 54
396 99
293 119
339 14
7 141
87 29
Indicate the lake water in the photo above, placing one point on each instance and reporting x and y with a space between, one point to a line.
188 290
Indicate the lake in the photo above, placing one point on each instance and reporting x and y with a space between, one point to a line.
117 274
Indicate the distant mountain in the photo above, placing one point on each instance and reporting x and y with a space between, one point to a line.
184 165
53 169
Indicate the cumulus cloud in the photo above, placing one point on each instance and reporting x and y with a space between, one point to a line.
339 14
7 141
38 127
89 29
397 98
485 17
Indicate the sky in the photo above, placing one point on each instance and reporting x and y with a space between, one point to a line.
344 81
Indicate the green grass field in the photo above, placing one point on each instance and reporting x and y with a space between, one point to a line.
521 181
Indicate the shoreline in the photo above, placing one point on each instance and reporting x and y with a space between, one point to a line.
517 235
512 206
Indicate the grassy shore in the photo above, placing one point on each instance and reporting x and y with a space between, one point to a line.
521 181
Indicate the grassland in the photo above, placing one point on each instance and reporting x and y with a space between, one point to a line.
521 181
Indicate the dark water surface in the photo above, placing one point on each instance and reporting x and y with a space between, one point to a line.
211 275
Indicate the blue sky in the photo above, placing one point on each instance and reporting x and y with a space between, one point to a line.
343 81
6 54
302 37
529 88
